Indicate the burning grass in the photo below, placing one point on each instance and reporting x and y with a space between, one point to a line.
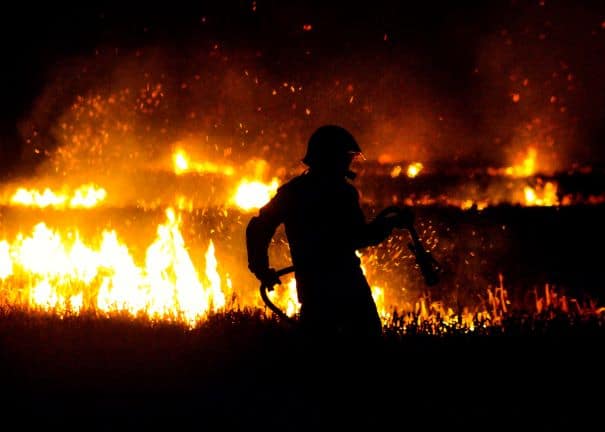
193 264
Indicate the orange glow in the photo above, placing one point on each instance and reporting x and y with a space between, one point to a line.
86 196
156 152
6 263
285 297
526 167
377 292
385 158
378 296
252 194
180 161
58 271
469 204
414 169
545 195
182 164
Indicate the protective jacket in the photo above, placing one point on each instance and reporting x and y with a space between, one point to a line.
324 225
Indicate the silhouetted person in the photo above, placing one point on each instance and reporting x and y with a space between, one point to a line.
325 226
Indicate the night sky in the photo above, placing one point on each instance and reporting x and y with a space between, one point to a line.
453 81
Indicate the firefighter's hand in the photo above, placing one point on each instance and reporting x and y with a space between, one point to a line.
405 218
268 278
397 217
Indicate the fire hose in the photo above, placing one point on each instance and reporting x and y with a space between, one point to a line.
428 265
264 288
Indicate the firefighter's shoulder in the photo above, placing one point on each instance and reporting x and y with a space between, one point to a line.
292 185
351 190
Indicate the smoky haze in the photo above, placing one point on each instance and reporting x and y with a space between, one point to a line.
96 88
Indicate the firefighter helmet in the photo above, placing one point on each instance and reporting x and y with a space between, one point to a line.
328 144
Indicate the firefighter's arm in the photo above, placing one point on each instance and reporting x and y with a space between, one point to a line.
259 232
376 231
373 233
367 234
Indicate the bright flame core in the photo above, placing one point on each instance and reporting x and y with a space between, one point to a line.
414 169
63 273
180 162
251 195
527 167
545 195
86 196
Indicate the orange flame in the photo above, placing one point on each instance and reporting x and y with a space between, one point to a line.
412 170
63 273
182 164
545 195
86 196
251 194
286 298
527 167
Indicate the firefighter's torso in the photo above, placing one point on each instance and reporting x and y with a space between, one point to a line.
320 224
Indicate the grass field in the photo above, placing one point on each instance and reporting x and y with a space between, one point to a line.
244 371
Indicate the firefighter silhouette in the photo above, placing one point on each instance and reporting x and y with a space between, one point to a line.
325 226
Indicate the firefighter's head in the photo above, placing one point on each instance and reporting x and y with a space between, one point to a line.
330 150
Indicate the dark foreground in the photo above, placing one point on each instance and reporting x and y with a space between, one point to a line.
243 372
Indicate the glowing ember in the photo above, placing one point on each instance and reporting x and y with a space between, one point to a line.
414 169
86 196
251 195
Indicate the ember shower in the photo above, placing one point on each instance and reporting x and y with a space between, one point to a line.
141 164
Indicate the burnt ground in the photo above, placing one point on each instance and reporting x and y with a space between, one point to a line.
243 372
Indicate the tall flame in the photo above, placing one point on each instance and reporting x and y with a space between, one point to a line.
63 273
